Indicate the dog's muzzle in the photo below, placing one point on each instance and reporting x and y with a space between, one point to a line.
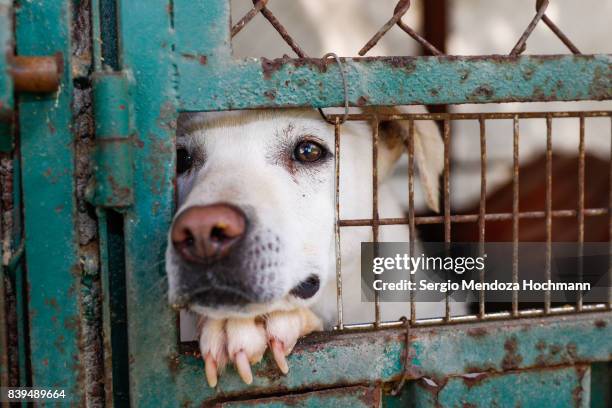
206 233
221 260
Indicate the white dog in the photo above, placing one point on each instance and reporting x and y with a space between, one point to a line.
251 248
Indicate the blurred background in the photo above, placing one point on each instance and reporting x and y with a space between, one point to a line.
472 27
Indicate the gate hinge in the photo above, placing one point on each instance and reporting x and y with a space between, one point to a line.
113 169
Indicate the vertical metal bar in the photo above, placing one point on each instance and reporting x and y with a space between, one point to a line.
482 213
515 211
447 207
337 224
548 209
146 38
375 215
435 26
4 352
411 223
48 191
435 30
610 225
580 210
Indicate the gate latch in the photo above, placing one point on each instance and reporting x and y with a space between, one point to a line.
113 171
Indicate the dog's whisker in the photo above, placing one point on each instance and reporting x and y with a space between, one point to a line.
157 284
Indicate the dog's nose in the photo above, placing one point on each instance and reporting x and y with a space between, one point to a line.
203 232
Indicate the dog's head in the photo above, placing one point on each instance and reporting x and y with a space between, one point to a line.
254 227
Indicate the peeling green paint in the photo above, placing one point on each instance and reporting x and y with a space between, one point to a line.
48 156
244 84
6 49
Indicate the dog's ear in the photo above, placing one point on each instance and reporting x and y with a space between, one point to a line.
428 150
429 157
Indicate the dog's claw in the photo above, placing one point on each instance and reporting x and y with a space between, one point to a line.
244 341
241 361
278 352
211 370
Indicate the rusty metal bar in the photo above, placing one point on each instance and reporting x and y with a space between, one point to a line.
422 41
36 73
561 35
463 218
515 212
497 316
447 206
416 80
337 225
282 31
401 9
476 116
482 208
411 216
259 4
610 224
548 210
522 42
581 158
375 215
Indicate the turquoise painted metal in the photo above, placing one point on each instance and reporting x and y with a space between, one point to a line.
113 178
6 49
147 38
251 83
48 156
209 78
356 397
554 388
6 84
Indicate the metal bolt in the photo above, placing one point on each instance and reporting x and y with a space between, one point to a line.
36 74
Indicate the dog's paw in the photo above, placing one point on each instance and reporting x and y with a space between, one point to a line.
244 341
283 330
240 341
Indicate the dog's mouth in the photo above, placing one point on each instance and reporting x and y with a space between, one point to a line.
307 288
220 297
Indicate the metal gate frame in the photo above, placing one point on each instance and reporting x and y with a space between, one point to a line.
175 55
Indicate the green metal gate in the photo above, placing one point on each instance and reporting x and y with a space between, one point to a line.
133 65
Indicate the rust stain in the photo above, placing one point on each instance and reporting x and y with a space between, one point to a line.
363 100
577 392
202 59
477 332
71 323
270 94
173 363
483 91
473 379
371 397
53 303
512 359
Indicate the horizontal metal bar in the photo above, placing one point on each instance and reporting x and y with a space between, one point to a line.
358 357
435 321
213 82
475 116
592 212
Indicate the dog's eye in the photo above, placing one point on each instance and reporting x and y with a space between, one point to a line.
184 161
308 151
